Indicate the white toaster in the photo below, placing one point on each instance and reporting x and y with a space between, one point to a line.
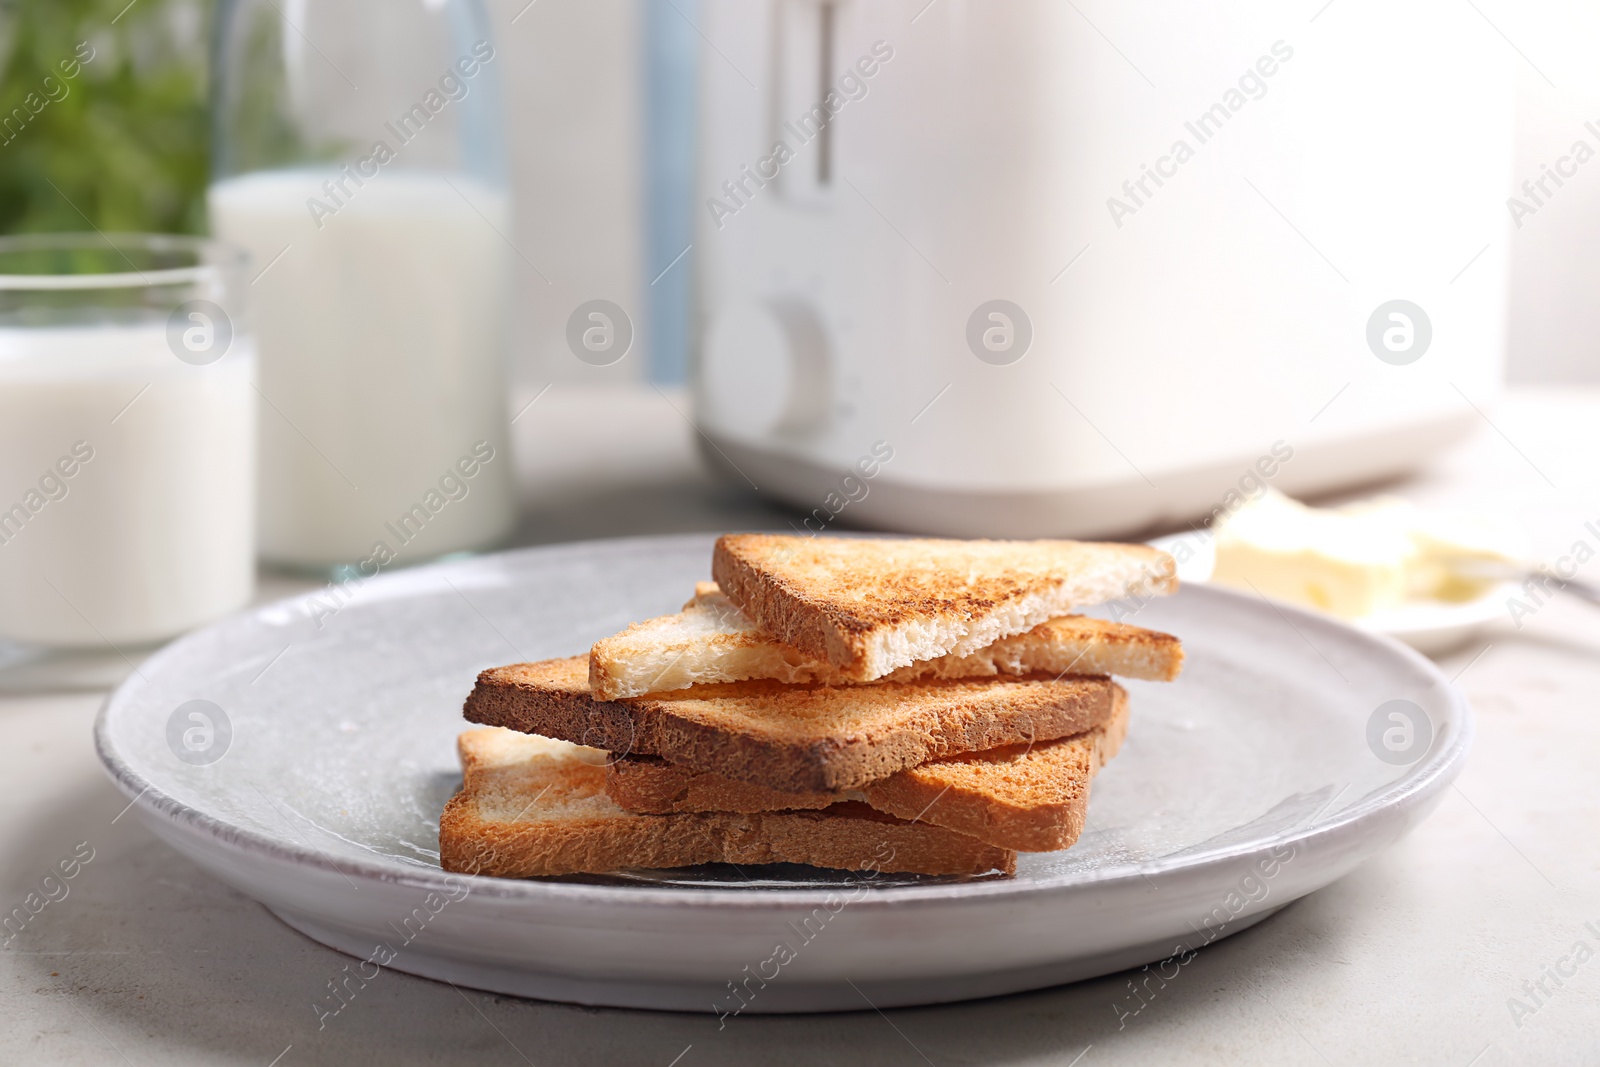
1080 269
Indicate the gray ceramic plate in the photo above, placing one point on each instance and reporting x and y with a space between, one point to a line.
314 779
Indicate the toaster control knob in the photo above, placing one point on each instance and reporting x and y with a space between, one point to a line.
765 369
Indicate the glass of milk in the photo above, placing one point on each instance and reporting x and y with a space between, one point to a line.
127 441
359 159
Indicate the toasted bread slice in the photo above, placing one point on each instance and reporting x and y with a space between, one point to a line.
711 641
870 606
794 738
1029 798
534 806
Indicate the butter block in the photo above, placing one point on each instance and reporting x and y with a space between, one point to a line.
1361 559
1455 558
1346 565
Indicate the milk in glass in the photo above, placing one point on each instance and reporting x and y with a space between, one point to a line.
381 326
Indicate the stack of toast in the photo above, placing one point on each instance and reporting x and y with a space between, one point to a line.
917 706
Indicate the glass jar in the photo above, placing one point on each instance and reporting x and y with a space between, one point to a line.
359 157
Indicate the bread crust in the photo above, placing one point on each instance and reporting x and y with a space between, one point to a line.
650 785
542 811
794 738
870 606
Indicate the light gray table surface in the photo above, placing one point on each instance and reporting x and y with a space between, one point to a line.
1414 958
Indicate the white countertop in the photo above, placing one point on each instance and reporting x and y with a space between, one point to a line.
1413 958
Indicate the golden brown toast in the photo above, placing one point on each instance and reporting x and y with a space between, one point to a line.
712 641
870 606
1029 798
535 806
794 738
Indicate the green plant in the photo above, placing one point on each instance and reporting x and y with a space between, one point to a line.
122 142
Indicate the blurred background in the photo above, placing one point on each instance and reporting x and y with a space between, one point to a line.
603 95
660 265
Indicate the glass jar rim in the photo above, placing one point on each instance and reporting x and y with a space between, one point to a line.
210 258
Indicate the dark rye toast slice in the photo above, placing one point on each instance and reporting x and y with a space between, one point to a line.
871 606
531 806
794 738
1031 798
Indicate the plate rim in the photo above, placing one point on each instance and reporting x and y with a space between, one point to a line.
1416 788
